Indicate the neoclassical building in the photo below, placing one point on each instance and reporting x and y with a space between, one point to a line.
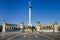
47 27
6 26
39 27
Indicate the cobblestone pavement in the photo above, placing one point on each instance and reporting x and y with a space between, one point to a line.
29 36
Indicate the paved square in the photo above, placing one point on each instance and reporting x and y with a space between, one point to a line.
29 36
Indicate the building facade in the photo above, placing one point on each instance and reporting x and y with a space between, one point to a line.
39 27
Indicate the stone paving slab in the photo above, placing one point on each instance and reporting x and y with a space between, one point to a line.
29 36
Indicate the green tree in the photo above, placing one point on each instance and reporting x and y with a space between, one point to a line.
0 28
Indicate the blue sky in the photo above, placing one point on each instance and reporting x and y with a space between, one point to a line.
16 11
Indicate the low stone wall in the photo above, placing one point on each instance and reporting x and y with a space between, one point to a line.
46 30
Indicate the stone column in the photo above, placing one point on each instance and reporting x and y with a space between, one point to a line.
55 27
38 27
3 26
52 28
30 15
21 27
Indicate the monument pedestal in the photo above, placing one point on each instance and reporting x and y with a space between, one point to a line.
28 30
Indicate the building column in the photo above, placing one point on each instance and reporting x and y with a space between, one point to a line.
21 27
38 27
3 26
55 28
